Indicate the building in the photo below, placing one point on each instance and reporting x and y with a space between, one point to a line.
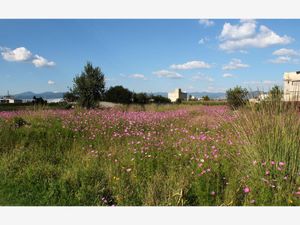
261 97
291 91
9 99
177 94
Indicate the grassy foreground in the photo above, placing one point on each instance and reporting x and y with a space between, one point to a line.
157 155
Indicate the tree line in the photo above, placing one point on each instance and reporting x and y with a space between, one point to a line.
89 88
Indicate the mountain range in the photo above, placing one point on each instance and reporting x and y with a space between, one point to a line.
45 95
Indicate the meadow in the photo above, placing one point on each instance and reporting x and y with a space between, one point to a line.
167 155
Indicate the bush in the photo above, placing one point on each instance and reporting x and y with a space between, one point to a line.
236 97
118 94
19 122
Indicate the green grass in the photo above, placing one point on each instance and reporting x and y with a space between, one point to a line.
45 162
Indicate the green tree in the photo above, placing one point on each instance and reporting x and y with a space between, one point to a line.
70 97
276 93
159 99
236 97
89 86
118 94
178 101
206 98
140 98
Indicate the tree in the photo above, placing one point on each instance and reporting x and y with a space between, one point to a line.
206 98
140 98
276 93
38 101
89 86
159 99
70 97
237 97
178 101
118 94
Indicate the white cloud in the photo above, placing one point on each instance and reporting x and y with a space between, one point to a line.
263 83
137 76
203 40
226 75
191 65
168 74
206 22
22 54
16 55
203 77
243 30
40 61
235 64
286 52
51 82
245 35
281 60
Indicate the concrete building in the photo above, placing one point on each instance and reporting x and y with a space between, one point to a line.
259 98
291 91
177 94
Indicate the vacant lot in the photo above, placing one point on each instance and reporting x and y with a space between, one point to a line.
155 155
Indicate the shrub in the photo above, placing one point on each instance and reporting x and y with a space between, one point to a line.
118 94
236 97
19 122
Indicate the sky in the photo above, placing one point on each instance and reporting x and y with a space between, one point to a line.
148 55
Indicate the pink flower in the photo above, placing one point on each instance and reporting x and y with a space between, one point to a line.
272 163
246 190
213 193
281 163
267 172
128 170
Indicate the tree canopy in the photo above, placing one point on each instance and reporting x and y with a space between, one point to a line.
89 86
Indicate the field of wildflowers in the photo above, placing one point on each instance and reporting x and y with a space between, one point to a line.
155 155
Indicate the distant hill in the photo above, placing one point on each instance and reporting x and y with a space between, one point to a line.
45 95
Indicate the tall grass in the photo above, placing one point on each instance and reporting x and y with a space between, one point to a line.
156 155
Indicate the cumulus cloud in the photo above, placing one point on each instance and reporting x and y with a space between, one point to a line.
203 77
51 82
137 76
235 64
227 75
16 55
285 55
22 54
246 35
40 61
206 22
281 60
168 74
286 52
191 65
243 30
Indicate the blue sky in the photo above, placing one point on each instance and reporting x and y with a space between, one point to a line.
148 55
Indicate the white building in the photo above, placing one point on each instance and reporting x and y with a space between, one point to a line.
291 91
9 99
177 94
